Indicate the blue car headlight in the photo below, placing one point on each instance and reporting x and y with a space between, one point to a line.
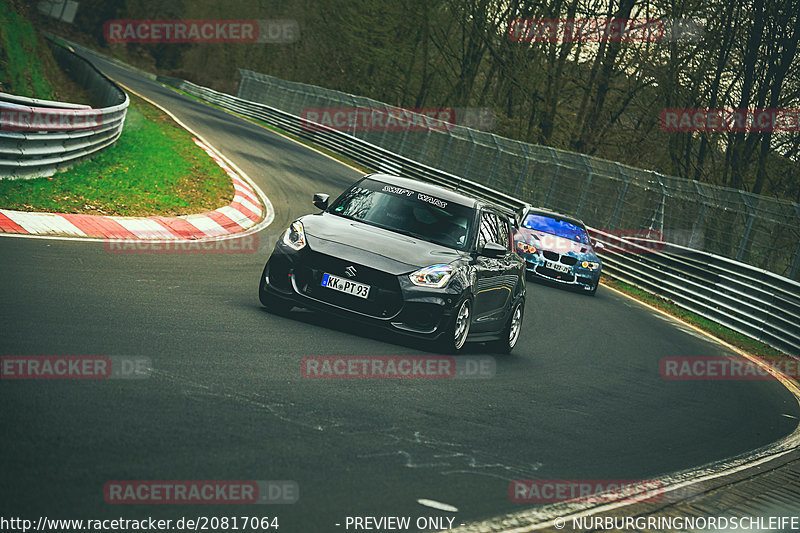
434 276
591 265
526 248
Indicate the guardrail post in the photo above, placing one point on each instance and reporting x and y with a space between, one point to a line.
658 214
354 105
471 153
385 129
403 142
524 169
693 242
749 226
239 93
586 186
303 102
553 179
425 146
496 159
446 149
620 201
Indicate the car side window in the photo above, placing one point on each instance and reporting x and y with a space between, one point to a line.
504 233
493 229
488 229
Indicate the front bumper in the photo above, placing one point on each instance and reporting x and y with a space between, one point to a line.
394 302
577 276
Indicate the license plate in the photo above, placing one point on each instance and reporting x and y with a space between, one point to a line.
558 267
345 285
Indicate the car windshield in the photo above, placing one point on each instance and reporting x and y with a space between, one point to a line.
555 226
408 212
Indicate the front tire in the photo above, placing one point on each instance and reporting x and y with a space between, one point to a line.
512 329
455 335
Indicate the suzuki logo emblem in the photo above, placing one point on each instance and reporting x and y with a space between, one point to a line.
350 271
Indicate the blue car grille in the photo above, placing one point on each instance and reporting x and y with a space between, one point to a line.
555 256
550 273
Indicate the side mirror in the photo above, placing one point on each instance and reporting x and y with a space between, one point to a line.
492 249
597 245
321 201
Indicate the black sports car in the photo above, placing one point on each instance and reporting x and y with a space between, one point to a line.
414 257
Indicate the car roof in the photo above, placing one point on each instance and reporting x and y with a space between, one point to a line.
435 190
527 210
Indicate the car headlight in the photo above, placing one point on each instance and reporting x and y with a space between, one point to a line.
295 236
526 248
435 276
591 265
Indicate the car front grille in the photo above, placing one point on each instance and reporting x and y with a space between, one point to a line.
385 298
550 273
555 256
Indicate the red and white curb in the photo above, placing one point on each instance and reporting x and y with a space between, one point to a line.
249 209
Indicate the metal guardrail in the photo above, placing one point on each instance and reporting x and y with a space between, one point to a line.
746 299
750 228
89 52
749 300
39 137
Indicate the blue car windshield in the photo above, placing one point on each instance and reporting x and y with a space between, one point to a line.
555 226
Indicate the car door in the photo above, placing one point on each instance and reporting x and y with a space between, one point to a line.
495 280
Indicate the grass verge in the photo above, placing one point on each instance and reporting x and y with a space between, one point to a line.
27 67
154 168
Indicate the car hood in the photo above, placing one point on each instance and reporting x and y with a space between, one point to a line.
547 241
372 246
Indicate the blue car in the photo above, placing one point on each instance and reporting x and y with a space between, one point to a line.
557 248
